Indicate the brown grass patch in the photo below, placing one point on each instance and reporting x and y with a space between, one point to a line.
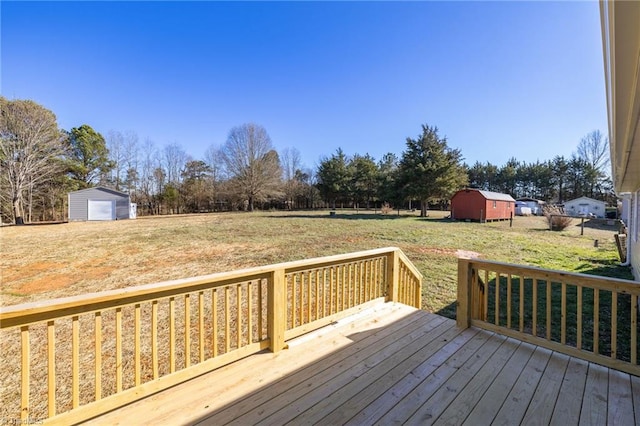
46 284
29 270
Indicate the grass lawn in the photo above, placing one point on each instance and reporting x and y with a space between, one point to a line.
49 261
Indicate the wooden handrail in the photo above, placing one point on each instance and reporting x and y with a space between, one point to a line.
555 309
187 327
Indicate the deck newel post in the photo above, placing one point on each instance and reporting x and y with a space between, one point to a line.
276 310
393 276
463 312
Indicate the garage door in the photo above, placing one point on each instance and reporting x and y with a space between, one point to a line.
102 210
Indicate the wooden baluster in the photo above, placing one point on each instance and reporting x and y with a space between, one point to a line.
534 313
376 276
154 338
118 351
548 310
332 292
367 279
579 316
345 288
356 284
51 368
239 316
316 300
634 329
98 354
172 335
227 321
136 344
260 313
325 292
521 325
201 325
75 360
596 321
361 291
509 300
301 295
563 314
614 324
294 296
485 296
214 322
25 363
249 314
187 330
497 312
309 289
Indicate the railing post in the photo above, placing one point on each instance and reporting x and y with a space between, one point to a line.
276 310
393 276
463 311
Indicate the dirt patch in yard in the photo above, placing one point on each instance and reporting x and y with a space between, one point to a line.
48 283
29 271
42 277
466 254
449 252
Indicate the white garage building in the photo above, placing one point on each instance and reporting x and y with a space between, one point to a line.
585 206
100 203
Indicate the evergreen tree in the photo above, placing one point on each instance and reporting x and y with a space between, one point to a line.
333 178
89 156
430 170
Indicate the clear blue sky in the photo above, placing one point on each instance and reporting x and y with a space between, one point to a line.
499 79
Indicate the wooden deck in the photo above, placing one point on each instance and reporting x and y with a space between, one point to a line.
396 364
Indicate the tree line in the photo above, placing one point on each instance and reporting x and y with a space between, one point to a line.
41 163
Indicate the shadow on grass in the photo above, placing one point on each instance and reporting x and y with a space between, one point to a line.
366 216
610 268
602 224
448 311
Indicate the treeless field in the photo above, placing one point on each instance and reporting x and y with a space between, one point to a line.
50 261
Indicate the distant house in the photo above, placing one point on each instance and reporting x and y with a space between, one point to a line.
477 205
536 206
100 203
585 206
621 44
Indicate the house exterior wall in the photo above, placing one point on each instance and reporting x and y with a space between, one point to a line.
621 48
79 201
585 205
633 234
473 205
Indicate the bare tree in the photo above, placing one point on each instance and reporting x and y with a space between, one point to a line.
252 163
291 166
115 144
594 149
123 153
30 148
174 160
214 159
148 164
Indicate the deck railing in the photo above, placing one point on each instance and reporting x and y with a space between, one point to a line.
70 359
590 317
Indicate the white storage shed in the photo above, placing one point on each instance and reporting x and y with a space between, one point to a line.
100 203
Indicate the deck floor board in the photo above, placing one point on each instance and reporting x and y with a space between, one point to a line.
396 365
